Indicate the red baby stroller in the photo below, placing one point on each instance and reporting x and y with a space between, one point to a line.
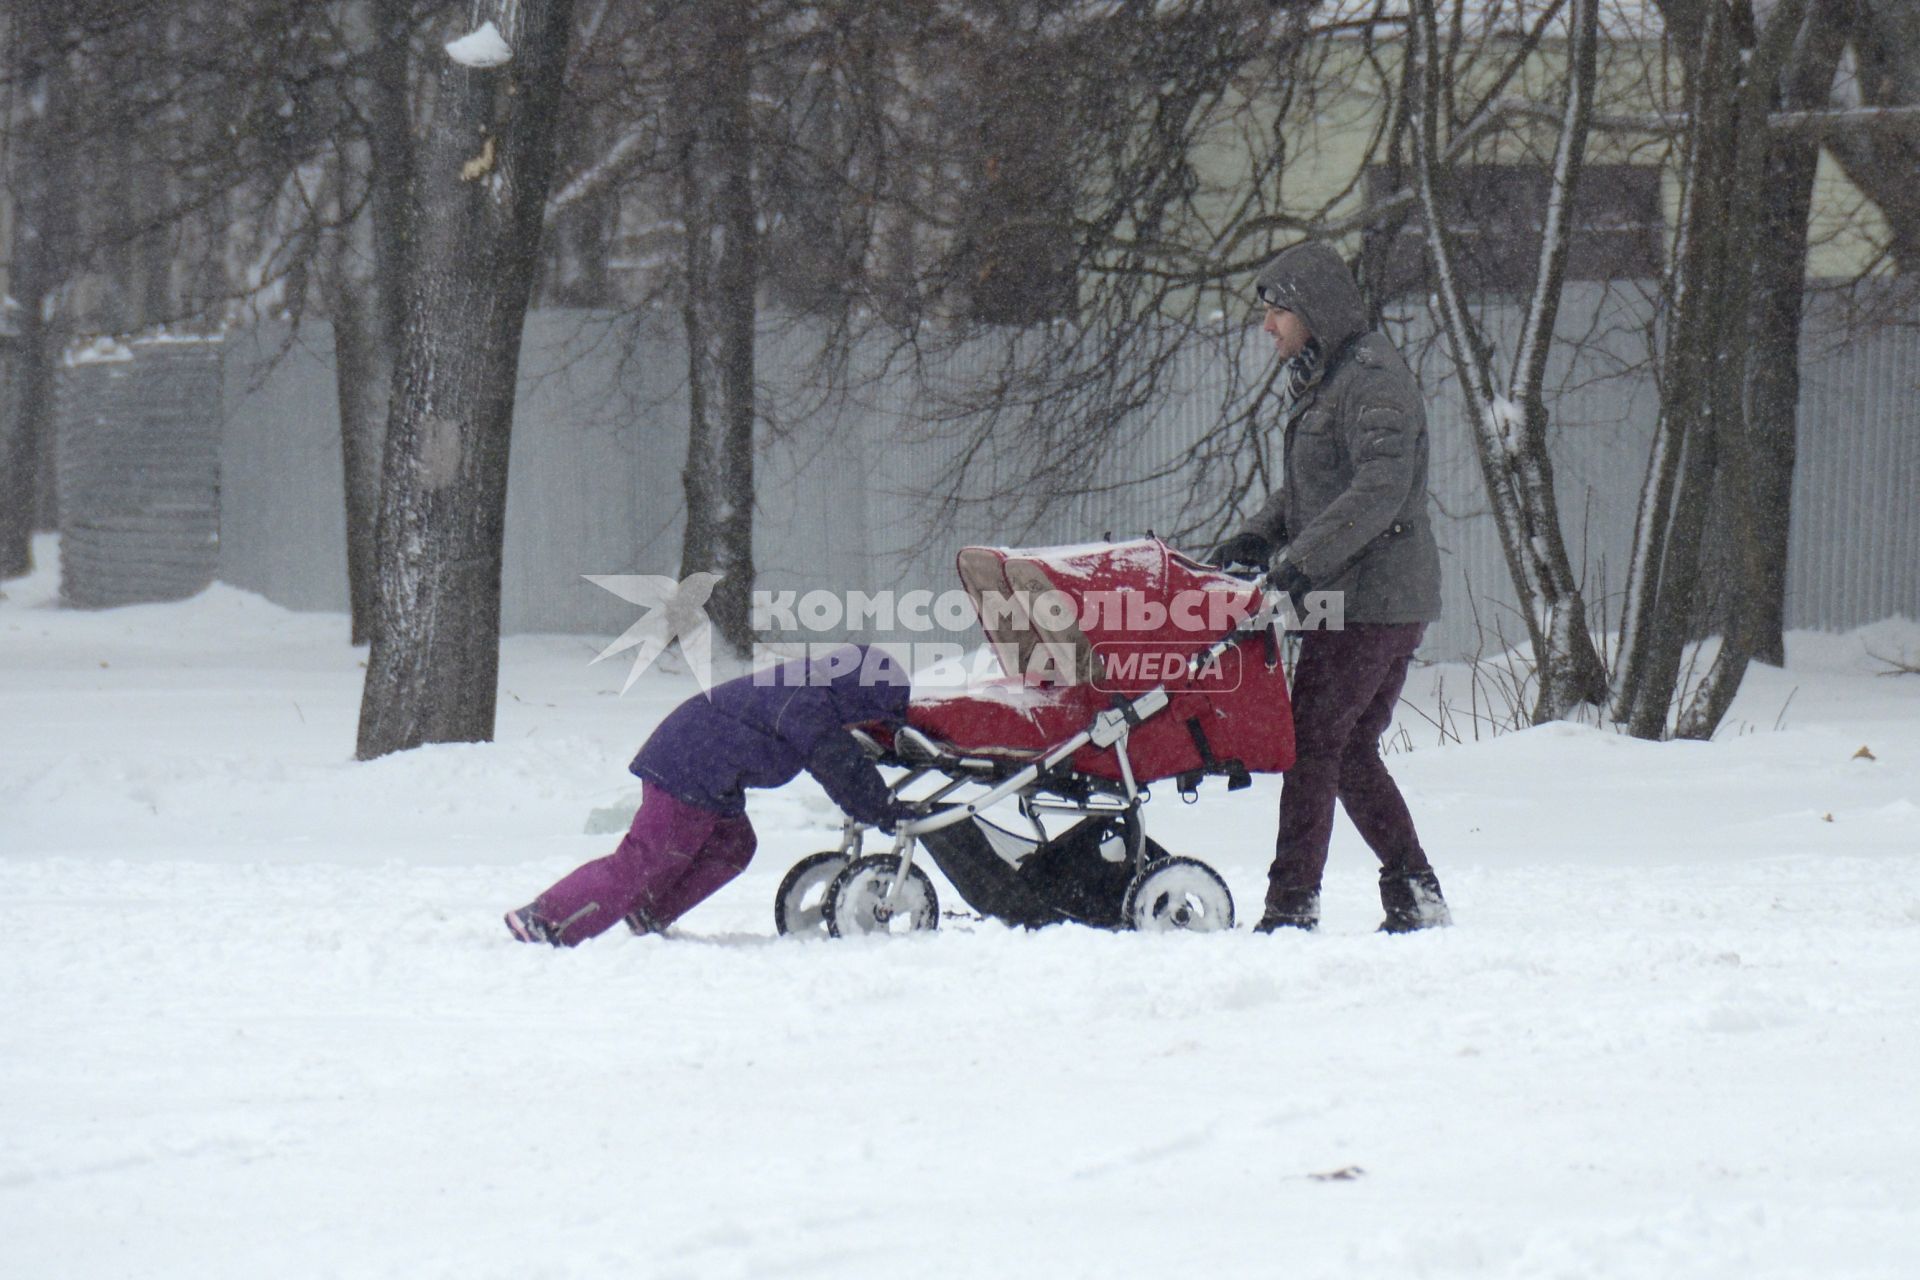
1120 665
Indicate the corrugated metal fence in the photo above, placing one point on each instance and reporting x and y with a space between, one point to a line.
139 448
600 429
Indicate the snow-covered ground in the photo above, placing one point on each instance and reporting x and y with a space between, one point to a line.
261 1019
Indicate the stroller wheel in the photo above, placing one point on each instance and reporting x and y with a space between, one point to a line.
1174 894
856 902
800 904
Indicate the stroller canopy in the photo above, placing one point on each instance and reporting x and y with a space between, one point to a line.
1052 612
1074 627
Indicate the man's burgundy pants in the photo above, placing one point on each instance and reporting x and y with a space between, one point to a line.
1344 690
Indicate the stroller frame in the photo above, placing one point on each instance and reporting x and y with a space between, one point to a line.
1041 784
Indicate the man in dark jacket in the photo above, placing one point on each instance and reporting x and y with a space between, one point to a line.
1351 518
691 835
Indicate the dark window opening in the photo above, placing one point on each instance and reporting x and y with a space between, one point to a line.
1498 214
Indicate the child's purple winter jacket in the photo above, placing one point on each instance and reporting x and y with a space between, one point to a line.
762 729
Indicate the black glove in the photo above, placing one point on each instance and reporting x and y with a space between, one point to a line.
897 811
1243 551
1289 578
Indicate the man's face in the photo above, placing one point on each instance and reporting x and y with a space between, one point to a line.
1288 331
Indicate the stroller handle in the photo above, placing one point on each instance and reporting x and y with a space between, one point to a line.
1012 784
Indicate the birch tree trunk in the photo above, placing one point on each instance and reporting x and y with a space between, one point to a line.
432 673
1510 424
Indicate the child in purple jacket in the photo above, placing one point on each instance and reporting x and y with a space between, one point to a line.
691 835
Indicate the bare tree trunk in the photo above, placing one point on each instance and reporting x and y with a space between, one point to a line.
1510 429
432 673
363 376
1766 229
1780 272
714 173
43 232
29 428
1673 506
390 143
1570 672
1703 391
364 274
697 477
735 282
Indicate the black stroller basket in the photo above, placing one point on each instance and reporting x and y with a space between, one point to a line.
1079 876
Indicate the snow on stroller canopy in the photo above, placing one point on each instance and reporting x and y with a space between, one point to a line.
1047 609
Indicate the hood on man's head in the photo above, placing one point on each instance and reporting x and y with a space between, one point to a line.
1311 281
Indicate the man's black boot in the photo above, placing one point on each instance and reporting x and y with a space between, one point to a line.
1413 901
1290 909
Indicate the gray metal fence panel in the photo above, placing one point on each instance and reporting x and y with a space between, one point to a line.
599 441
283 523
138 471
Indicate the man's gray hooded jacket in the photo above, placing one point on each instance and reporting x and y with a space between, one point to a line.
1353 511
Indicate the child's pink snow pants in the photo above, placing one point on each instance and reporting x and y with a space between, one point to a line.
673 857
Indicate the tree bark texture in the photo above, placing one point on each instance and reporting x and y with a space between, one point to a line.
1785 196
363 352
481 190
736 282
1510 428
720 315
44 212
1665 561
697 477
1767 230
1703 441
24 461
363 279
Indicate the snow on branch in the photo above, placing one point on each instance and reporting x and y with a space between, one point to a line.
1845 118
602 173
1672 122
483 48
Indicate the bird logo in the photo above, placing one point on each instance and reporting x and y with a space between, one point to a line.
673 611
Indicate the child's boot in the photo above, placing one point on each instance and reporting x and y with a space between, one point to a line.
525 926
